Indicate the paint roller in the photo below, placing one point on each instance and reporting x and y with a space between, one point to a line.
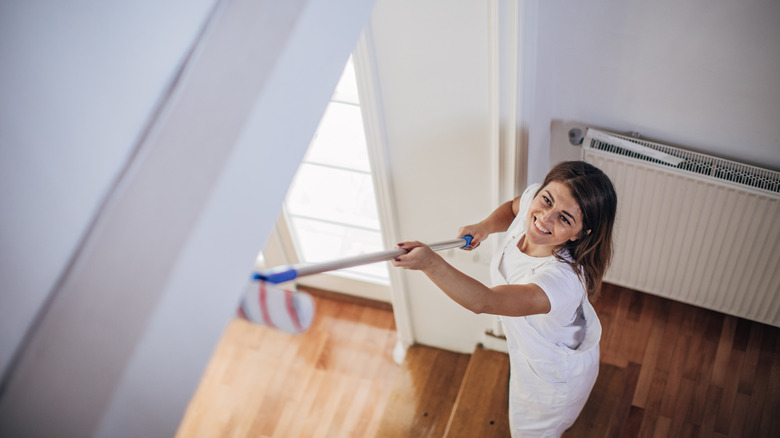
293 311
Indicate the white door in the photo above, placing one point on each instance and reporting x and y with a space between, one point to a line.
331 211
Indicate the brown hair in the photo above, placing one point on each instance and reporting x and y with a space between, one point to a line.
591 254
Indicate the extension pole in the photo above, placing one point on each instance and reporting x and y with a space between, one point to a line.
291 272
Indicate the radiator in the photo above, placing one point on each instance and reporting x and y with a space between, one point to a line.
692 227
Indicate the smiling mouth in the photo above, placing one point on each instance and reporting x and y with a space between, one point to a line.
541 228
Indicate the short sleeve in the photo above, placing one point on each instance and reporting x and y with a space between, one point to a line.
563 288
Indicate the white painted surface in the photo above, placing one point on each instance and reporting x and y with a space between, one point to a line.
122 346
77 87
663 234
433 69
699 74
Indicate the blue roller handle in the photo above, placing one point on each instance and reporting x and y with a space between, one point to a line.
277 275
291 272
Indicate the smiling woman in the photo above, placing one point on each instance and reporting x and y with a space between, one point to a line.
596 200
557 246
554 218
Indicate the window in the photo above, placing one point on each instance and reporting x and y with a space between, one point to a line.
331 209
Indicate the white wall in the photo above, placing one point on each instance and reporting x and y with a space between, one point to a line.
141 300
77 88
699 74
432 61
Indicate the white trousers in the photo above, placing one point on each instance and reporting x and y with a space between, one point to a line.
548 387
543 405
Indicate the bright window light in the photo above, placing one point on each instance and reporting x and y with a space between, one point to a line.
331 204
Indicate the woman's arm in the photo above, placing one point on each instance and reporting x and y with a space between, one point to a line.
498 221
507 300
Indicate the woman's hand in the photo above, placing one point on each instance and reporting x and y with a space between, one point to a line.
478 233
419 258
498 221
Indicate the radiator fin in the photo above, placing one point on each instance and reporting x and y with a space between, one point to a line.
700 164
693 238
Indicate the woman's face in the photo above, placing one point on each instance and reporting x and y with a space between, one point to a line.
553 218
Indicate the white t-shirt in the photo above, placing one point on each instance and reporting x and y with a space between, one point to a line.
564 324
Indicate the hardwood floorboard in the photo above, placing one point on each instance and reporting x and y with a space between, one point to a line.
623 408
333 380
672 333
647 428
640 331
633 424
667 370
724 350
770 418
636 307
740 414
674 378
424 393
762 386
695 411
662 427
647 371
702 377
741 334
726 410
701 373
680 423
613 336
483 400
750 360
711 405
596 416
657 389
693 365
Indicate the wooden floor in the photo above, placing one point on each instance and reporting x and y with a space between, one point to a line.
667 370
673 370
424 394
444 394
332 381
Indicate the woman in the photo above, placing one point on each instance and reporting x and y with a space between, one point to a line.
548 267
